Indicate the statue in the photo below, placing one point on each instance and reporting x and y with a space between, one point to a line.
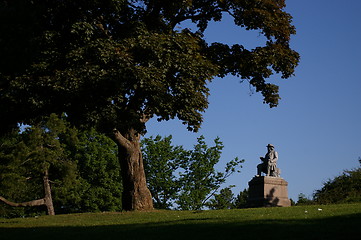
269 163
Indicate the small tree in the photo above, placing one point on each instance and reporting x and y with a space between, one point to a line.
241 199
303 200
162 161
223 200
185 177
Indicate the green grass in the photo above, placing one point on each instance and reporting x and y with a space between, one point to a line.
302 222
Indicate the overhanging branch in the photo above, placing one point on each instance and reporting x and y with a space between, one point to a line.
38 202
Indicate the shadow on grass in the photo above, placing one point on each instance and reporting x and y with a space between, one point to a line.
342 227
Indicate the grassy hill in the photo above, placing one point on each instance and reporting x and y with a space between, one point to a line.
302 222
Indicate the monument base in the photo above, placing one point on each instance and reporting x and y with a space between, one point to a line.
268 192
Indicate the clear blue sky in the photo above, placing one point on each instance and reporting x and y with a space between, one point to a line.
316 128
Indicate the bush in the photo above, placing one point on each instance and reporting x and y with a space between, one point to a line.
345 188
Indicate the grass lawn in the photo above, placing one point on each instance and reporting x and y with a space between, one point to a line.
302 222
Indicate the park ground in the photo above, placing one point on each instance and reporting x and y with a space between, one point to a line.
341 221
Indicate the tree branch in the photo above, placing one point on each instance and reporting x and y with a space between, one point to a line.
145 118
179 19
38 202
209 196
121 140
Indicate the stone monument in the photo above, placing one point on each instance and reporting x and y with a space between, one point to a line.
270 190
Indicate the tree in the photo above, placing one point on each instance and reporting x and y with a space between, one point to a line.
35 156
199 179
345 188
184 177
98 167
81 166
223 200
15 183
241 199
92 183
115 64
162 164
303 200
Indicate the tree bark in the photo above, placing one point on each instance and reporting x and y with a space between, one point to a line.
38 202
136 195
47 190
47 200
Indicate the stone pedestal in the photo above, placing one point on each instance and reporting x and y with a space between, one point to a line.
268 192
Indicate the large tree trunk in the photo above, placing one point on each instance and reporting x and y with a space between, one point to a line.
47 200
136 195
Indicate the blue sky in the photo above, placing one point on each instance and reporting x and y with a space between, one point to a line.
316 129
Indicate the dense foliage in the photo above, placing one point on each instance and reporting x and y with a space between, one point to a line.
223 200
114 64
345 188
162 161
304 200
83 168
185 178
241 199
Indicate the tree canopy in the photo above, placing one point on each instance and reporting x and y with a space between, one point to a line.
110 63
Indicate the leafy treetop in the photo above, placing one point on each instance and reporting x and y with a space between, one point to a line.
117 63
